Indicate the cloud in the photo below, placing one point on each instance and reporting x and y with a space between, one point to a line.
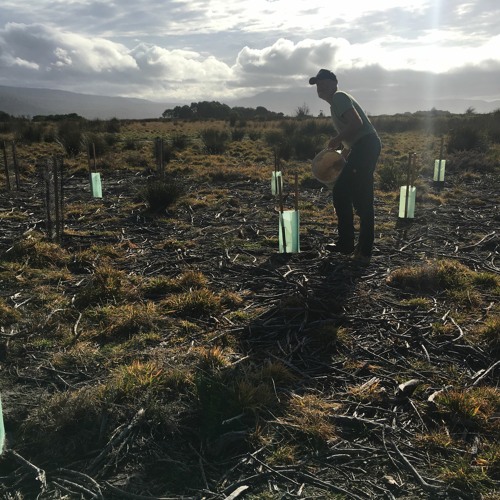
214 50
50 57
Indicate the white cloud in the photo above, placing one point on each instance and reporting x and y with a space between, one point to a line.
214 49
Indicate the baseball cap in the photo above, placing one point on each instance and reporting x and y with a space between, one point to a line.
323 74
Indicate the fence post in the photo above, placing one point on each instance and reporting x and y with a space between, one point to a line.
6 166
16 166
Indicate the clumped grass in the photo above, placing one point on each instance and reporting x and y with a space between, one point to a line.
133 380
369 392
34 251
160 194
460 283
107 284
309 416
80 355
474 409
163 285
127 320
477 474
65 424
489 333
199 303
417 303
8 315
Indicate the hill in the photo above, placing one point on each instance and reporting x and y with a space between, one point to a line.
30 102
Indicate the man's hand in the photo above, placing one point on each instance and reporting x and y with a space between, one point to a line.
335 143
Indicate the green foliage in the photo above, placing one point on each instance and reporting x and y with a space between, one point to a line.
160 194
8 315
467 138
470 160
238 134
36 252
69 134
215 140
29 132
180 141
390 175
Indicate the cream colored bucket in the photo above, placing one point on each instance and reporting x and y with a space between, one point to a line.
327 165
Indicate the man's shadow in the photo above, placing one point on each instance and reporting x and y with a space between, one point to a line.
303 298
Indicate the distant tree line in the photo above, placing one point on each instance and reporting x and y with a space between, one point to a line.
213 110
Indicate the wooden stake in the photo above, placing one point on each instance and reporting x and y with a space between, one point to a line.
6 166
408 181
296 192
16 166
280 198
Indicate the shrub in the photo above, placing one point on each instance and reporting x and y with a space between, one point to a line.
390 176
305 147
69 134
161 194
214 140
470 160
180 141
467 138
238 134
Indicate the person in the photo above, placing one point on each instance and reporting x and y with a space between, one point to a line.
353 189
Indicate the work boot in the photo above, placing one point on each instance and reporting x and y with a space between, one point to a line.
361 258
340 247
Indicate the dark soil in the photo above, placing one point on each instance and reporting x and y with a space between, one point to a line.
375 454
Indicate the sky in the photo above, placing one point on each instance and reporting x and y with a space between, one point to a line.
393 56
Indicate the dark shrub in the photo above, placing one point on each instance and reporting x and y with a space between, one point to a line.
161 194
467 138
69 134
214 140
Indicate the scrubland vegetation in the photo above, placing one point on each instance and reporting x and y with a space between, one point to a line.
165 349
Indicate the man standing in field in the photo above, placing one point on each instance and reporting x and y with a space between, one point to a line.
353 188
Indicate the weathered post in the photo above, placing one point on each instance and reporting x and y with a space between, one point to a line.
16 166
6 166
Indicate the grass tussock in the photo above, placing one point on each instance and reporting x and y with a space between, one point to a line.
199 303
34 251
159 195
65 424
8 315
310 416
460 283
126 320
475 409
106 285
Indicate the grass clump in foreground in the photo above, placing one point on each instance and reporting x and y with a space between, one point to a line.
34 251
455 279
160 194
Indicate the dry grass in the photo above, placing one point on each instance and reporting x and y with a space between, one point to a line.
246 353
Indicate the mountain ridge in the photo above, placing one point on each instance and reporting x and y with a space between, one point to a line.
29 102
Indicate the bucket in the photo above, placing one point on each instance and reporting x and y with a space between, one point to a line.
407 202
327 165
289 223
95 185
276 182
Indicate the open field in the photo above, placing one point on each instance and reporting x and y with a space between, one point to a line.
172 352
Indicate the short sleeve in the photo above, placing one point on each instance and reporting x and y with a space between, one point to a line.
341 103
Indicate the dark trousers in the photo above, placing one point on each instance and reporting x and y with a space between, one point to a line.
354 190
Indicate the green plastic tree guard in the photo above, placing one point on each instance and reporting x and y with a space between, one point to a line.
290 222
